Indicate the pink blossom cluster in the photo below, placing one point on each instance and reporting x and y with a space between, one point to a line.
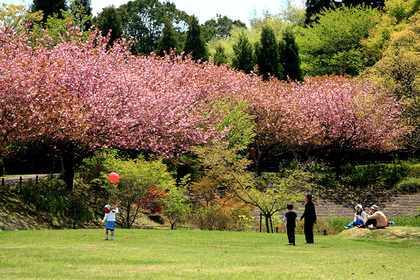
83 91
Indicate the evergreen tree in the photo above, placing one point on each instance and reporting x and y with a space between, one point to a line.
169 39
107 20
244 55
267 53
220 55
49 7
195 43
289 57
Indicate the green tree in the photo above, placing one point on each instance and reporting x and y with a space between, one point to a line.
82 11
220 27
244 54
15 17
136 178
109 20
332 45
220 55
269 193
267 54
168 41
314 8
175 204
195 43
49 7
143 22
289 57
399 72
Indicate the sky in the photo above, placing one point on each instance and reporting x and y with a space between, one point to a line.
204 10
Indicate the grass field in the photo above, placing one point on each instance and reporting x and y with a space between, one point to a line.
392 253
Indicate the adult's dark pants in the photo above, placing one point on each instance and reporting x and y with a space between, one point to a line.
308 229
291 235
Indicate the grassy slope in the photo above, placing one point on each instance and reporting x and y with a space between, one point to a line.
187 254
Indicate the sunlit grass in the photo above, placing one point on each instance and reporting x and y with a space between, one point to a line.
188 254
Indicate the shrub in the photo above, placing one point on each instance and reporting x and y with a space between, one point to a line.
408 185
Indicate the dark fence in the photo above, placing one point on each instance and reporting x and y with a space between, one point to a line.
26 178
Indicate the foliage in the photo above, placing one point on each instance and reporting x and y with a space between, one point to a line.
244 54
267 55
195 43
407 221
315 7
398 71
220 26
175 204
332 44
153 200
15 17
289 57
408 185
136 179
52 196
220 56
169 41
269 193
143 22
109 21
49 7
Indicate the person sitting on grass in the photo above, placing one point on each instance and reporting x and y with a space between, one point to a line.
359 217
376 218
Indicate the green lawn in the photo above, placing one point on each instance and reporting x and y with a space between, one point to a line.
189 254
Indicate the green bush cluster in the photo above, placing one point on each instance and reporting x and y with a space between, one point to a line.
52 196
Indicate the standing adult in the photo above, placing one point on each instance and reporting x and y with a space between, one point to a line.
310 219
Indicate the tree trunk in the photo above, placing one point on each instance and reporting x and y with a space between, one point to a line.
267 223
68 165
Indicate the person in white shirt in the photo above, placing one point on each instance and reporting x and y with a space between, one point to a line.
110 220
359 217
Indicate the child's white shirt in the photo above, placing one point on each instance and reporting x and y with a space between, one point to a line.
110 216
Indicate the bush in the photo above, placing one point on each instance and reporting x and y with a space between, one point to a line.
217 217
52 196
408 185
411 221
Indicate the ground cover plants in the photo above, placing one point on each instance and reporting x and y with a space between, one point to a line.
189 254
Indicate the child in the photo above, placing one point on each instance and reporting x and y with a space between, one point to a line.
291 217
359 217
110 220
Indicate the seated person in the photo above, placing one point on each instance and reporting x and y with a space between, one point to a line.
359 217
376 218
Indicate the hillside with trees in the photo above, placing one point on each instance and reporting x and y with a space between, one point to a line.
207 123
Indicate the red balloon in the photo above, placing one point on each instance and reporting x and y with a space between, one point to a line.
114 178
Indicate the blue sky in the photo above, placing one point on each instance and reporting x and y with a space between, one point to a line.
202 9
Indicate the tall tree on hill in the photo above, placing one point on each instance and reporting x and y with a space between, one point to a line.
49 7
289 57
195 43
109 20
244 55
267 53
168 41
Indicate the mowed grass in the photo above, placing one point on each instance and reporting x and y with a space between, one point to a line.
189 254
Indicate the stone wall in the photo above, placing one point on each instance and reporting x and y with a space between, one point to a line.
397 205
